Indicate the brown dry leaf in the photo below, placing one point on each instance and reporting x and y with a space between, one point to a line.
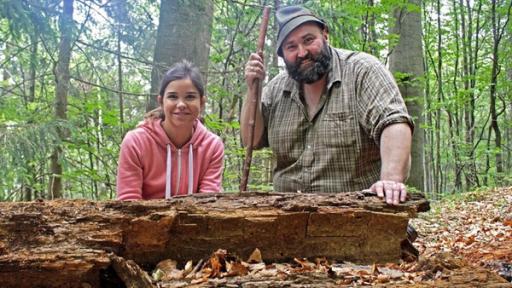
166 265
198 281
281 268
217 263
221 254
236 269
305 264
174 274
508 222
166 270
345 281
375 270
470 240
362 273
322 264
216 267
255 257
383 278
204 273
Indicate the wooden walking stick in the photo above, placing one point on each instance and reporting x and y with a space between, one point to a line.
254 100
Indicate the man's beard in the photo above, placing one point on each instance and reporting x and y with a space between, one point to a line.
320 66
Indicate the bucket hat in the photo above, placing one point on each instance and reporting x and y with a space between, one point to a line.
290 17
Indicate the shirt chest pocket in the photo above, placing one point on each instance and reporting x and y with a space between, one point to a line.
338 129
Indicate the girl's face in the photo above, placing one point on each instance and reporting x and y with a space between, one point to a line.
181 102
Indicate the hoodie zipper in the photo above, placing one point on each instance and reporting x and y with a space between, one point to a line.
179 173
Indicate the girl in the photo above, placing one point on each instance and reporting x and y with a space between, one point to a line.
171 153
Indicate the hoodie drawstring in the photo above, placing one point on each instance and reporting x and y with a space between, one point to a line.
190 169
168 171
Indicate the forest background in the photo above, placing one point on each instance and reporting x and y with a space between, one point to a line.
76 75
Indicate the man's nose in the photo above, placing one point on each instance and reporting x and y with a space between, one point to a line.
302 51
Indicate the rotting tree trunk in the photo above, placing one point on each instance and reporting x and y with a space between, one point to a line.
55 243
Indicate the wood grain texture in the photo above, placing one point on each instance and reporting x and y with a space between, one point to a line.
63 243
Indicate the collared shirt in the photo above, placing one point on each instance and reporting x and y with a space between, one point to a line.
338 149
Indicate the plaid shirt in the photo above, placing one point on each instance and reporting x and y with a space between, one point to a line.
338 149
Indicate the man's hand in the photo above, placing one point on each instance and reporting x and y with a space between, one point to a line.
254 69
393 192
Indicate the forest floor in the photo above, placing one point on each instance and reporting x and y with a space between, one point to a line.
464 241
475 228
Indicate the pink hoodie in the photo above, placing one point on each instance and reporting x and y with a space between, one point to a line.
151 167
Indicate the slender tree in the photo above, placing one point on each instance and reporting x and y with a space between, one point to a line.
469 40
62 77
499 25
508 109
452 111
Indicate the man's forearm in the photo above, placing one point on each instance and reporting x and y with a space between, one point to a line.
395 150
245 122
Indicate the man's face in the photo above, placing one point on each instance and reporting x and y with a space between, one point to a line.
306 53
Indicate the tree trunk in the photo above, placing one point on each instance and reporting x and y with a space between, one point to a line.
28 186
439 72
54 243
508 115
429 133
497 31
453 122
184 32
470 55
61 95
368 29
407 57
120 81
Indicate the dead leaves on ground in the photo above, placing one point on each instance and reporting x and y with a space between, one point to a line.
223 265
479 229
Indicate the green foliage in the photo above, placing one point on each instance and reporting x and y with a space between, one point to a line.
29 133
25 149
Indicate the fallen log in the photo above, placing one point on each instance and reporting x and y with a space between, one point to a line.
71 243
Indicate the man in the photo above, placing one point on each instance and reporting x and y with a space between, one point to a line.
335 119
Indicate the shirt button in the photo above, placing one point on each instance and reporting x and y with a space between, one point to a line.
309 146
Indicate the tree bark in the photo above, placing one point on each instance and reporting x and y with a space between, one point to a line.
28 186
407 57
54 243
497 32
508 115
453 118
61 95
470 48
184 32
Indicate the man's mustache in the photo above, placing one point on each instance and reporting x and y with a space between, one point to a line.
308 56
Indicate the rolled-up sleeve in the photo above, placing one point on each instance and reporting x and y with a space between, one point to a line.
381 103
